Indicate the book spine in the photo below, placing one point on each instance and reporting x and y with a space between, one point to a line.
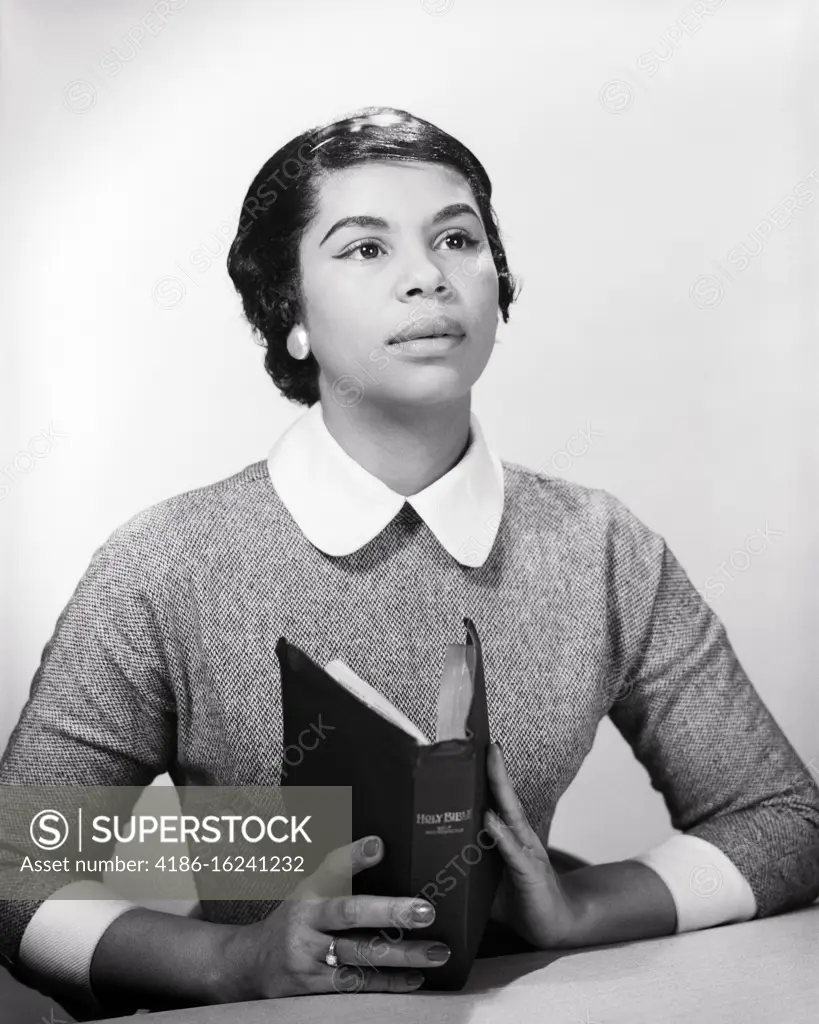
447 832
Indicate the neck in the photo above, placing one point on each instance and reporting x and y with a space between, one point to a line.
405 448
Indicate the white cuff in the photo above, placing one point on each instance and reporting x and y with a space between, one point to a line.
706 886
59 941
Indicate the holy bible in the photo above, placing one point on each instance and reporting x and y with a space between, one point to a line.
426 798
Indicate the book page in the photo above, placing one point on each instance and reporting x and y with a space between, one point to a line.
368 695
455 695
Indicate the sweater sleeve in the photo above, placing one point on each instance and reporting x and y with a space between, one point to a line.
693 719
100 712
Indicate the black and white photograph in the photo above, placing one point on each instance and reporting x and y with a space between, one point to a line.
408 491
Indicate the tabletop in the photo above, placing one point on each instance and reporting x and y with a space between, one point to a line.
757 971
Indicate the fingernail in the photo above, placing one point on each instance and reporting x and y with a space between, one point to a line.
499 745
422 912
438 952
414 978
371 847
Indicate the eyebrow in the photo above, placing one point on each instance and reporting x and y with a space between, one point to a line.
366 221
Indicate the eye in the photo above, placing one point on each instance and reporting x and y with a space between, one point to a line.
462 237
365 247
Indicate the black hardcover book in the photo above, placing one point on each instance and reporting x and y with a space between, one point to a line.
425 798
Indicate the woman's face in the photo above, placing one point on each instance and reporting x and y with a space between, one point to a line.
393 249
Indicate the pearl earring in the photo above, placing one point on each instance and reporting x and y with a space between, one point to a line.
298 344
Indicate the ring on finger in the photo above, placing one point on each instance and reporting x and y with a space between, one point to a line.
331 957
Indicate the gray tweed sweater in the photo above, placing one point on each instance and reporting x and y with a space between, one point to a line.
163 661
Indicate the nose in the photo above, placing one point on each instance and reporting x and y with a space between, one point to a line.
422 277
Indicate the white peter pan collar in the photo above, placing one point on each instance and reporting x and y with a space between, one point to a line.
340 507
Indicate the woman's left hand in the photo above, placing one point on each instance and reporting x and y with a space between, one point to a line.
531 898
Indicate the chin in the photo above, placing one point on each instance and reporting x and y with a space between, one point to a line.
425 386
430 383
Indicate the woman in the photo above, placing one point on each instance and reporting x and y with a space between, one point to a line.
369 261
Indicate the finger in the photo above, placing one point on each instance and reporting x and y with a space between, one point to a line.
345 912
374 950
333 875
351 979
510 807
524 865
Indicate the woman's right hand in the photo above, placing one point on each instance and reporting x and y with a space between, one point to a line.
283 955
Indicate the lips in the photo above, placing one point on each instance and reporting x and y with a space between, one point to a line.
435 327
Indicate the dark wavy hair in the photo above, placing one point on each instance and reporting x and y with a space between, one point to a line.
263 261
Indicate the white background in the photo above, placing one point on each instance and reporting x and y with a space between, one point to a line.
120 173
